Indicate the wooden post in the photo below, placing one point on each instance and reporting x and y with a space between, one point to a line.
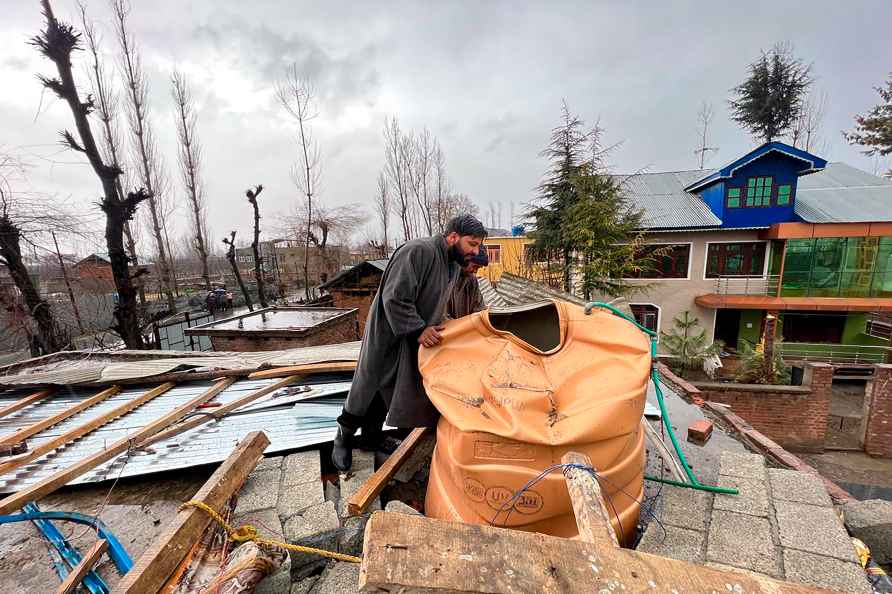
170 547
73 579
62 477
27 400
82 430
34 428
376 483
592 517
403 552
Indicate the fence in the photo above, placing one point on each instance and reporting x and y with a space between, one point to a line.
835 353
170 334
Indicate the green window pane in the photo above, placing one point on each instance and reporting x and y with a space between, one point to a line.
784 190
783 199
750 192
749 200
751 182
733 202
734 193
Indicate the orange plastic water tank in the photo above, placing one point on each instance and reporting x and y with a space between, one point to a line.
517 389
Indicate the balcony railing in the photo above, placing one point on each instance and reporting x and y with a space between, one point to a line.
743 285
835 353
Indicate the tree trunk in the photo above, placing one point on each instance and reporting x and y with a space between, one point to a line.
50 337
255 248
74 308
768 370
230 255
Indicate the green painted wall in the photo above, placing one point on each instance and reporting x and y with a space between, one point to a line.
853 333
752 317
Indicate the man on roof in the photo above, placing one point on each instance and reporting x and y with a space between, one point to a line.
466 297
407 311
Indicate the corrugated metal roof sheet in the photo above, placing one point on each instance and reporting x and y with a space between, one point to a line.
843 194
516 290
491 297
665 202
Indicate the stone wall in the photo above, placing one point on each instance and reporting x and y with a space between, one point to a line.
341 329
793 416
878 413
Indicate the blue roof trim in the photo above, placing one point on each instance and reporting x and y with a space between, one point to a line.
812 163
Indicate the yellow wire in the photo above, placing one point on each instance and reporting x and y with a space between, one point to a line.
247 532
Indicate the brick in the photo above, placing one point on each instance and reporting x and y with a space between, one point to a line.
302 467
294 499
316 527
260 491
700 431
871 522
798 487
824 572
742 541
813 529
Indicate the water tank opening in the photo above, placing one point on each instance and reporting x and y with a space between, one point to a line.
538 326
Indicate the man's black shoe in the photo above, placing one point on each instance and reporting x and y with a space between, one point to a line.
342 452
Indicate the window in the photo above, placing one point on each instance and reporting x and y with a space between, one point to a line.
647 315
758 191
663 261
733 197
783 194
735 259
494 252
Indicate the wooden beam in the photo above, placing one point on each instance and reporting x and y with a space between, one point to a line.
65 475
370 489
81 430
662 450
592 517
73 579
405 552
307 368
217 412
170 547
20 404
35 428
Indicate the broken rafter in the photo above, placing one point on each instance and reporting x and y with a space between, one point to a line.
73 579
64 476
404 552
155 566
35 428
306 368
20 404
82 430
376 483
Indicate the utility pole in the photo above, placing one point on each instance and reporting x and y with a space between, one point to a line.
77 313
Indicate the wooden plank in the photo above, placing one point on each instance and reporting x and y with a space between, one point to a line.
82 430
592 517
307 368
170 547
73 579
660 447
65 475
370 489
35 428
404 552
20 404
218 411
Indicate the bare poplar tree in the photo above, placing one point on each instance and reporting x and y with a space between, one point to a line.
107 104
190 165
441 187
421 165
255 245
382 209
57 42
230 256
145 149
806 132
397 166
704 119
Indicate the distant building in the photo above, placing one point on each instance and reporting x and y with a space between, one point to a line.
507 253
357 287
94 273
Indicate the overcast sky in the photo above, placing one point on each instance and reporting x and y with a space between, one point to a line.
487 79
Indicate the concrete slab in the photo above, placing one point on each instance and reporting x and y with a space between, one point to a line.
340 577
316 527
752 499
823 572
350 482
273 463
745 465
685 508
260 491
742 541
278 583
350 539
871 522
813 529
399 507
302 467
798 487
294 499
674 542
305 585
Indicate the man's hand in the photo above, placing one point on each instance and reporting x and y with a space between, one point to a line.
431 336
